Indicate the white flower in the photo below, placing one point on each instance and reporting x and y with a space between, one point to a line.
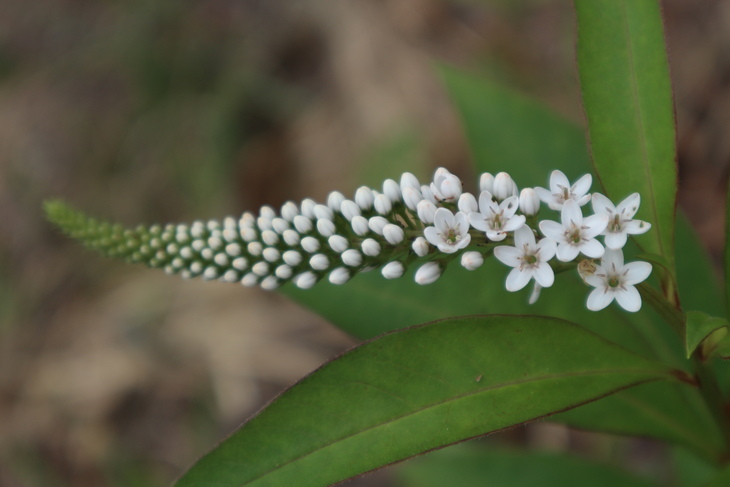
472 260
349 209
370 247
468 203
307 208
339 276
305 280
620 223
364 197
377 224
351 257
322 212
334 200
420 246
529 259
561 191
310 244
383 204
486 182
291 257
450 232
392 190
325 227
426 210
529 202
428 273
302 224
445 186
393 270
393 234
615 280
409 180
411 197
338 243
360 225
319 262
576 234
289 210
496 219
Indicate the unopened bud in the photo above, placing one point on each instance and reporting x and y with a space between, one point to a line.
529 202
472 260
420 246
393 270
504 186
468 203
428 273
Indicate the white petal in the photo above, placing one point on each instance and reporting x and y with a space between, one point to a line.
636 227
508 255
571 213
601 204
582 186
517 279
509 206
615 240
432 235
443 219
535 294
524 236
629 299
592 248
630 205
546 248
468 203
636 272
462 221
544 274
558 180
477 221
584 199
599 299
544 194
485 201
496 236
552 230
567 252
613 259
594 225
514 223
465 240
595 281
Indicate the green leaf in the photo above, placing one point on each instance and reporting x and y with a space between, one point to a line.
627 97
722 479
469 466
418 389
699 327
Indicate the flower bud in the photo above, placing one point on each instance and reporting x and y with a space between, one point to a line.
260 268
420 246
504 186
535 295
351 257
307 208
382 204
428 194
248 234
360 225
391 189
370 247
339 275
263 223
411 197
250 280
325 227
270 237
283 272
292 257
472 260
278 224
468 203
291 237
310 244
529 202
322 212
338 243
408 180
289 210
364 198
303 224
377 223
486 182
233 249
426 211
350 209
445 186
271 254
393 234
393 270
240 263
269 283
334 200
428 273
254 248
319 262
305 280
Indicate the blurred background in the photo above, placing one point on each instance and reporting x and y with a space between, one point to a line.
155 111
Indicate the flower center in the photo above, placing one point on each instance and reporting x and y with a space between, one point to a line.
530 259
614 281
615 224
575 236
451 236
566 194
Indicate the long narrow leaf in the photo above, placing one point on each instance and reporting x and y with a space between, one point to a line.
416 390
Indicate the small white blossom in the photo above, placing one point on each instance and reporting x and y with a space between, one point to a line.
289 210
278 224
428 273
360 225
496 219
377 223
445 186
450 232
364 198
561 191
240 263
325 227
263 223
310 244
486 182
370 247
270 254
411 197
472 260
529 259
339 276
283 272
305 280
529 202
382 204
409 180
307 208
250 279
322 212
426 211
504 186
428 194
303 224
255 248
269 283
393 270
467 203
334 200
270 237
420 246
393 234
350 209
615 280
292 258
338 243
267 212
351 257
291 237
576 234
620 223
319 262
260 268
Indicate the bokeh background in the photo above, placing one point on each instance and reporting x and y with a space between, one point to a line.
154 111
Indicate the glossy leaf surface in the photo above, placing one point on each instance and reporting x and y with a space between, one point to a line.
419 389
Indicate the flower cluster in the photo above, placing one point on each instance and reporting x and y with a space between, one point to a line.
391 228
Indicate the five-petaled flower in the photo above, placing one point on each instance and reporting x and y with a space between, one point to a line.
529 259
576 234
561 191
450 232
620 222
496 219
615 280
